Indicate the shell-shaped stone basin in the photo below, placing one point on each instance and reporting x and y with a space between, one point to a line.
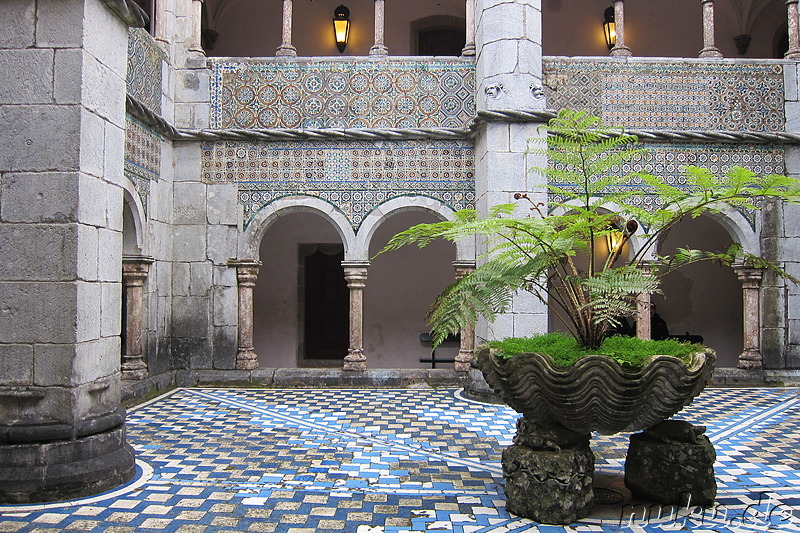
596 393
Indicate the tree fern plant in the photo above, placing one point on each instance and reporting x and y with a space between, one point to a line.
550 250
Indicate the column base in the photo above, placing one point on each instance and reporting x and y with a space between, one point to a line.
468 51
133 368
33 472
463 361
378 50
711 51
794 53
286 51
355 361
620 51
246 360
750 360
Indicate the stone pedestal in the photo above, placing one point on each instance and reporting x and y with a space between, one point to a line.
672 463
548 474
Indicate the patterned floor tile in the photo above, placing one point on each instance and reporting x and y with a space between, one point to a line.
391 461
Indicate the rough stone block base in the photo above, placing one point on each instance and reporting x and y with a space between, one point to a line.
548 474
672 463
65 469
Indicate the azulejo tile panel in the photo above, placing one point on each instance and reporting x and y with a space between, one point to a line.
670 94
142 156
335 94
145 69
355 177
669 161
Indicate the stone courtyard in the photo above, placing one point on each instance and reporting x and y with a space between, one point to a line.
379 460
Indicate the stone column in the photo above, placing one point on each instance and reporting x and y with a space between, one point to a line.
709 50
355 272
466 350
794 30
196 44
246 275
643 316
160 29
619 50
286 48
379 48
134 273
751 357
469 44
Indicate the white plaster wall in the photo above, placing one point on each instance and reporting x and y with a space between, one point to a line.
703 299
275 324
400 288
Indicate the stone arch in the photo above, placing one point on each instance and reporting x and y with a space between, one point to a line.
465 249
739 229
251 237
133 222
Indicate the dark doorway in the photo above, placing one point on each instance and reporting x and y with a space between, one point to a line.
325 299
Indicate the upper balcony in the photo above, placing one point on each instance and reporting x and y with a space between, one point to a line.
276 64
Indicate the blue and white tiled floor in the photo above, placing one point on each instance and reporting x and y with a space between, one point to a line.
370 461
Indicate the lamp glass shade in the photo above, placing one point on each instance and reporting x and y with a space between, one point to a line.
613 241
609 28
341 26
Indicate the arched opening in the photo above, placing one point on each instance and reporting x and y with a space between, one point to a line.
400 288
300 305
704 298
438 35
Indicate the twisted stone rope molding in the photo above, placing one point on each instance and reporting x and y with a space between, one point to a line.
133 15
143 113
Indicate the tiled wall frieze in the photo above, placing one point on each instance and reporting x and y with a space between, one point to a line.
144 79
355 177
669 160
338 94
142 156
667 94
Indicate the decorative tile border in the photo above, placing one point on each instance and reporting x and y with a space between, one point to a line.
668 161
142 157
355 177
337 94
144 69
670 94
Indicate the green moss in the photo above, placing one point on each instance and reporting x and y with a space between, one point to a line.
628 351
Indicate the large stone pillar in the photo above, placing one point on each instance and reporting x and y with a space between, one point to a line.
62 108
355 272
751 357
508 81
379 48
466 350
286 48
134 274
246 276
709 50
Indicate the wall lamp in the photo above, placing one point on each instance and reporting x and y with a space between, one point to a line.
341 26
609 27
